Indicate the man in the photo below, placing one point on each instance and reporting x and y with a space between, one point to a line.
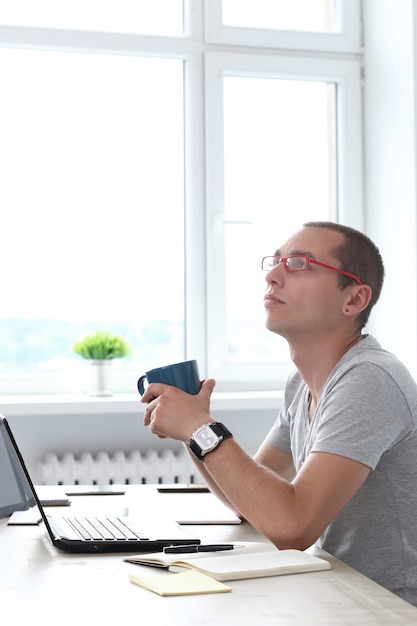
339 467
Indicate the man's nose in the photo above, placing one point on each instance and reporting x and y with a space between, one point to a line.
276 274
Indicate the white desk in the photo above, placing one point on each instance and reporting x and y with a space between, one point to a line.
41 585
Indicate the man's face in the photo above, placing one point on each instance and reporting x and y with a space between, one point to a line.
310 301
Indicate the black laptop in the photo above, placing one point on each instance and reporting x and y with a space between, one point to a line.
79 533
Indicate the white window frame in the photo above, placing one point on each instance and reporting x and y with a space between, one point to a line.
211 51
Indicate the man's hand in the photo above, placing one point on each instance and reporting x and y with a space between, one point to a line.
174 413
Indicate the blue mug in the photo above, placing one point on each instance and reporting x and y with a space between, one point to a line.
183 375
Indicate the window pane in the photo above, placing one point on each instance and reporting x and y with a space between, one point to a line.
307 15
150 17
279 173
91 164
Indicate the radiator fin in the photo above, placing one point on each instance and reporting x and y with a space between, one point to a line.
119 467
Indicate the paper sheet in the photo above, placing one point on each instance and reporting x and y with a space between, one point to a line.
190 582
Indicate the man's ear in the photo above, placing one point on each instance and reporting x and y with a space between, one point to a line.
358 299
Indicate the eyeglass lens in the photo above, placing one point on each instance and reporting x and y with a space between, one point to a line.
292 263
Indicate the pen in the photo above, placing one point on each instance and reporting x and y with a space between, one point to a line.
215 547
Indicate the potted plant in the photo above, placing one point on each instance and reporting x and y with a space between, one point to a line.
100 349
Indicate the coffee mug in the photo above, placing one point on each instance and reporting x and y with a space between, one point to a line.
183 375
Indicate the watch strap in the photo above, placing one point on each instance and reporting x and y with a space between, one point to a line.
221 430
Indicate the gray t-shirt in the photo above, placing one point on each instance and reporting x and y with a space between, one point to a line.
367 412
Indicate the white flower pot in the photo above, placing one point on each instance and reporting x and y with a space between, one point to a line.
100 378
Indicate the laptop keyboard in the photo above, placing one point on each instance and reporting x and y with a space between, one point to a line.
108 528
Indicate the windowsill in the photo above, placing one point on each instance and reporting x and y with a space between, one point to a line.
128 403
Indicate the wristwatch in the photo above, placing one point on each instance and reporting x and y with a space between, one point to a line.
206 438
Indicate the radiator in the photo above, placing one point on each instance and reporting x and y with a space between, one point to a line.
104 468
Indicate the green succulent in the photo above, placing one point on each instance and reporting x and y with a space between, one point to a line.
102 346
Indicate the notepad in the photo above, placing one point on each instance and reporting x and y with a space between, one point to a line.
247 560
190 582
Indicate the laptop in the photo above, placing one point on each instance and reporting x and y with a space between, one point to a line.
78 533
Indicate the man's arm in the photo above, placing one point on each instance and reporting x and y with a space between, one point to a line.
291 514
291 511
280 462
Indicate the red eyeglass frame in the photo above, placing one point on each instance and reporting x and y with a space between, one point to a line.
283 259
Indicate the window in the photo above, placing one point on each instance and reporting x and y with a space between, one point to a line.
144 177
93 207
282 138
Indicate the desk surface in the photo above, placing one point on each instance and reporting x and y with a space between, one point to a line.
42 585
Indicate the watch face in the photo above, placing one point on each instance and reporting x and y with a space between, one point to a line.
205 438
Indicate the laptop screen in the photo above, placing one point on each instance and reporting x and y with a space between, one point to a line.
15 491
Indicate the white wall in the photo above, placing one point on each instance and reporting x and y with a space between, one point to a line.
390 167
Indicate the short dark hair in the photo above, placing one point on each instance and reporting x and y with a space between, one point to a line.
360 256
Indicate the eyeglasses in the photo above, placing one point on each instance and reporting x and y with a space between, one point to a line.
299 263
